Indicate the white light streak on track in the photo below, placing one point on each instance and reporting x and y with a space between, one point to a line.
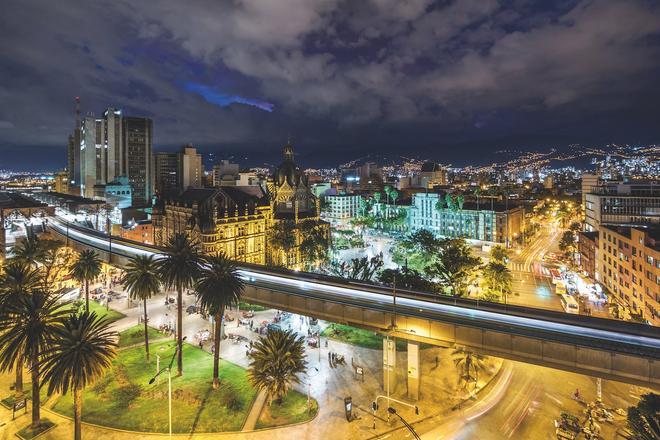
567 330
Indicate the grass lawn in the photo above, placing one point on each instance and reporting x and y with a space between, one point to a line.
124 399
254 307
100 310
359 337
135 335
29 433
293 409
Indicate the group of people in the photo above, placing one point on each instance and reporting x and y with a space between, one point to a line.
335 359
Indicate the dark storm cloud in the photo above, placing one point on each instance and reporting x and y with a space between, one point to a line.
337 74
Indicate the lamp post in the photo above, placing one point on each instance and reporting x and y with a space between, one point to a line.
309 386
169 385
391 410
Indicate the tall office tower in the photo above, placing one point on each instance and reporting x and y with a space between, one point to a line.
112 140
137 147
166 169
73 154
91 155
191 167
176 172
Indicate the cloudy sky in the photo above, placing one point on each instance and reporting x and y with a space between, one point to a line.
450 80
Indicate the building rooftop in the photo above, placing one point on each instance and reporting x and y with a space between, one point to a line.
12 200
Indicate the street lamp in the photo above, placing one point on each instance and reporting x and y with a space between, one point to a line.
410 428
169 384
309 386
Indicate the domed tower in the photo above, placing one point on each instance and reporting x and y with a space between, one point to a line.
290 191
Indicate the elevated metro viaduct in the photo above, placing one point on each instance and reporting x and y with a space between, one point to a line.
615 350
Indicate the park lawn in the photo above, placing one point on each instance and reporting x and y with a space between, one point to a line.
251 307
359 337
123 398
135 335
111 315
293 409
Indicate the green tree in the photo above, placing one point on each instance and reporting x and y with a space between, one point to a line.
394 195
644 419
142 281
85 269
82 350
498 278
567 243
277 361
17 280
314 244
454 266
361 269
409 279
499 253
469 365
178 269
282 237
218 286
29 251
416 250
27 329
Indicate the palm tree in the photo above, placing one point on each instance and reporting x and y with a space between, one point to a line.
142 280
27 329
498 278
18 279
178 269
469 365
218 286
85 269
29 250
277 361
82 350
499 253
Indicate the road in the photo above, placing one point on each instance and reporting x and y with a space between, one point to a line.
531 287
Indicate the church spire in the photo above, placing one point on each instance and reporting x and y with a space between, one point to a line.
288 151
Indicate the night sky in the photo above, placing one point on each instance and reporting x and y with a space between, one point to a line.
452 81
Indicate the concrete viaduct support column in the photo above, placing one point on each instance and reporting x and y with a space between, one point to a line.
413 370
389 365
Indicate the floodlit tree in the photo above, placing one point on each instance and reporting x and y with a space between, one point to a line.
314 243
454 266
142 281
27 329
499 253
361 269
178 269
17 280
405 279
278 360
82 350
498 278
469 365
218 286
86 268
644 419
282 238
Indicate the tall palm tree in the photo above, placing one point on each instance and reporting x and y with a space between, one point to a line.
469 365
498 278
178 269
29 250
82 350
218 286
142 280
277 361
17 279
85 269
27 329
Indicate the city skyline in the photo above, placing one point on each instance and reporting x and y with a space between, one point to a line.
430 78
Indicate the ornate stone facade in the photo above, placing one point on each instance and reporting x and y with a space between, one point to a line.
229 220
292 203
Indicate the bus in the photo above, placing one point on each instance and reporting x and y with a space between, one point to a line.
569 304
560 288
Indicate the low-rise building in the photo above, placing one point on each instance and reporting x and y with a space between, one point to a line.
629 268
342 206
229 220
486 221
588 250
